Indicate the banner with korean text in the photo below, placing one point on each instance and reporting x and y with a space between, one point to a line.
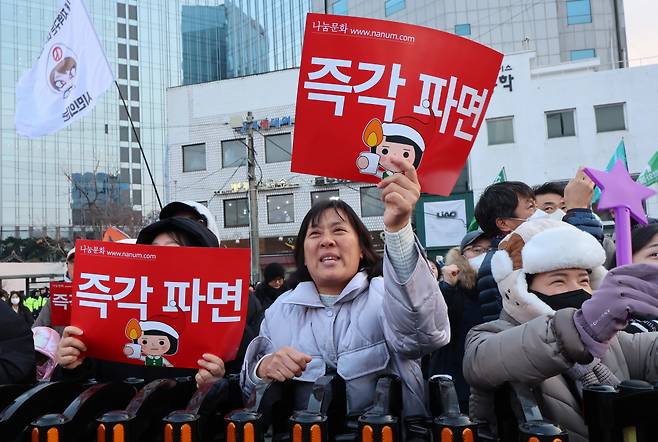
384 89
60 304
159 306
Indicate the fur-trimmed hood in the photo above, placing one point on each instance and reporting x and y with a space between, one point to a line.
539 246
467 275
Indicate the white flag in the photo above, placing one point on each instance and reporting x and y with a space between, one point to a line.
70 75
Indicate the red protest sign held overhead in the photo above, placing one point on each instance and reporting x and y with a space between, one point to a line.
60 304
372 89
159 306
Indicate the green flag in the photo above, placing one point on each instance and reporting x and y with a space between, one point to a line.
500 178
649 175
620 154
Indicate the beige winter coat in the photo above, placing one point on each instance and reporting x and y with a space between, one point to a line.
536 353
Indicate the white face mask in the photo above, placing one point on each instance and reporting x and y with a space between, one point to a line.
538 214
476 262
557 215
15 301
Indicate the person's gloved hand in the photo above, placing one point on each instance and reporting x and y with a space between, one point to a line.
626 292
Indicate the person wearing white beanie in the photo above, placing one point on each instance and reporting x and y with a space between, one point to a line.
561 324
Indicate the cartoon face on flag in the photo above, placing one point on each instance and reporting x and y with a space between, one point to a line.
71 74
61 69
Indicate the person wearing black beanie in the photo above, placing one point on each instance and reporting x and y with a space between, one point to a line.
272 286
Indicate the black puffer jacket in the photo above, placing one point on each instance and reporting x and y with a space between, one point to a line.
490 300
17 361
196 235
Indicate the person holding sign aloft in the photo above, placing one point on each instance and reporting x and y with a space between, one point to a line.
348 316
155 339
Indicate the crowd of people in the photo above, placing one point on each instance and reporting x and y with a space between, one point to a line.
533 296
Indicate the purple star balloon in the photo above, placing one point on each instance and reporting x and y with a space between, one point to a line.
620 193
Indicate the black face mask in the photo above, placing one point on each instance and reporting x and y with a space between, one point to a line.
574 298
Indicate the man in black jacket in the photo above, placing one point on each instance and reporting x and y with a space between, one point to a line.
504 206
17 356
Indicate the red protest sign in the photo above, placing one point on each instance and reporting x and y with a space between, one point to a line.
370 90
60 304
161 306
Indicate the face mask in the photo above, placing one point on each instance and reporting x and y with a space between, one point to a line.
476 262
538 214
574 298
15 301
557 215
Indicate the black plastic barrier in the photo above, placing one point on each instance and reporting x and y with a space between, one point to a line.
623 414
142 418
76 423
175 410
450 425
43 398
199 421
533 427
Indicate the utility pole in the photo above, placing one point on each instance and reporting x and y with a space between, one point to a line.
254 239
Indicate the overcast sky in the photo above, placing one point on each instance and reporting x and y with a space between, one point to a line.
642 31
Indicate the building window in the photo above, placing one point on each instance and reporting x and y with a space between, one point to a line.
132 12
136 155
121 30
463 29
123 115
137 197
134 93
121 10
371 201
610 117
278 148
123 133
194 157
134 73
123 89
124 154
122 51
560 123
234 153
500 130
339 7
236 212
137 176
133 32
280 209
323 195
134 53
582 54
578 11
393 6
123 72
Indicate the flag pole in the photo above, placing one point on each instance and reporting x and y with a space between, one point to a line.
139 143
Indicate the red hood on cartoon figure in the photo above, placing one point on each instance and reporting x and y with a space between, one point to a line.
398 139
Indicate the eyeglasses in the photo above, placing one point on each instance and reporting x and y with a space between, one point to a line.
478 250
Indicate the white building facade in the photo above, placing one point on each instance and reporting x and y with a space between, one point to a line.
557 118
542 128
